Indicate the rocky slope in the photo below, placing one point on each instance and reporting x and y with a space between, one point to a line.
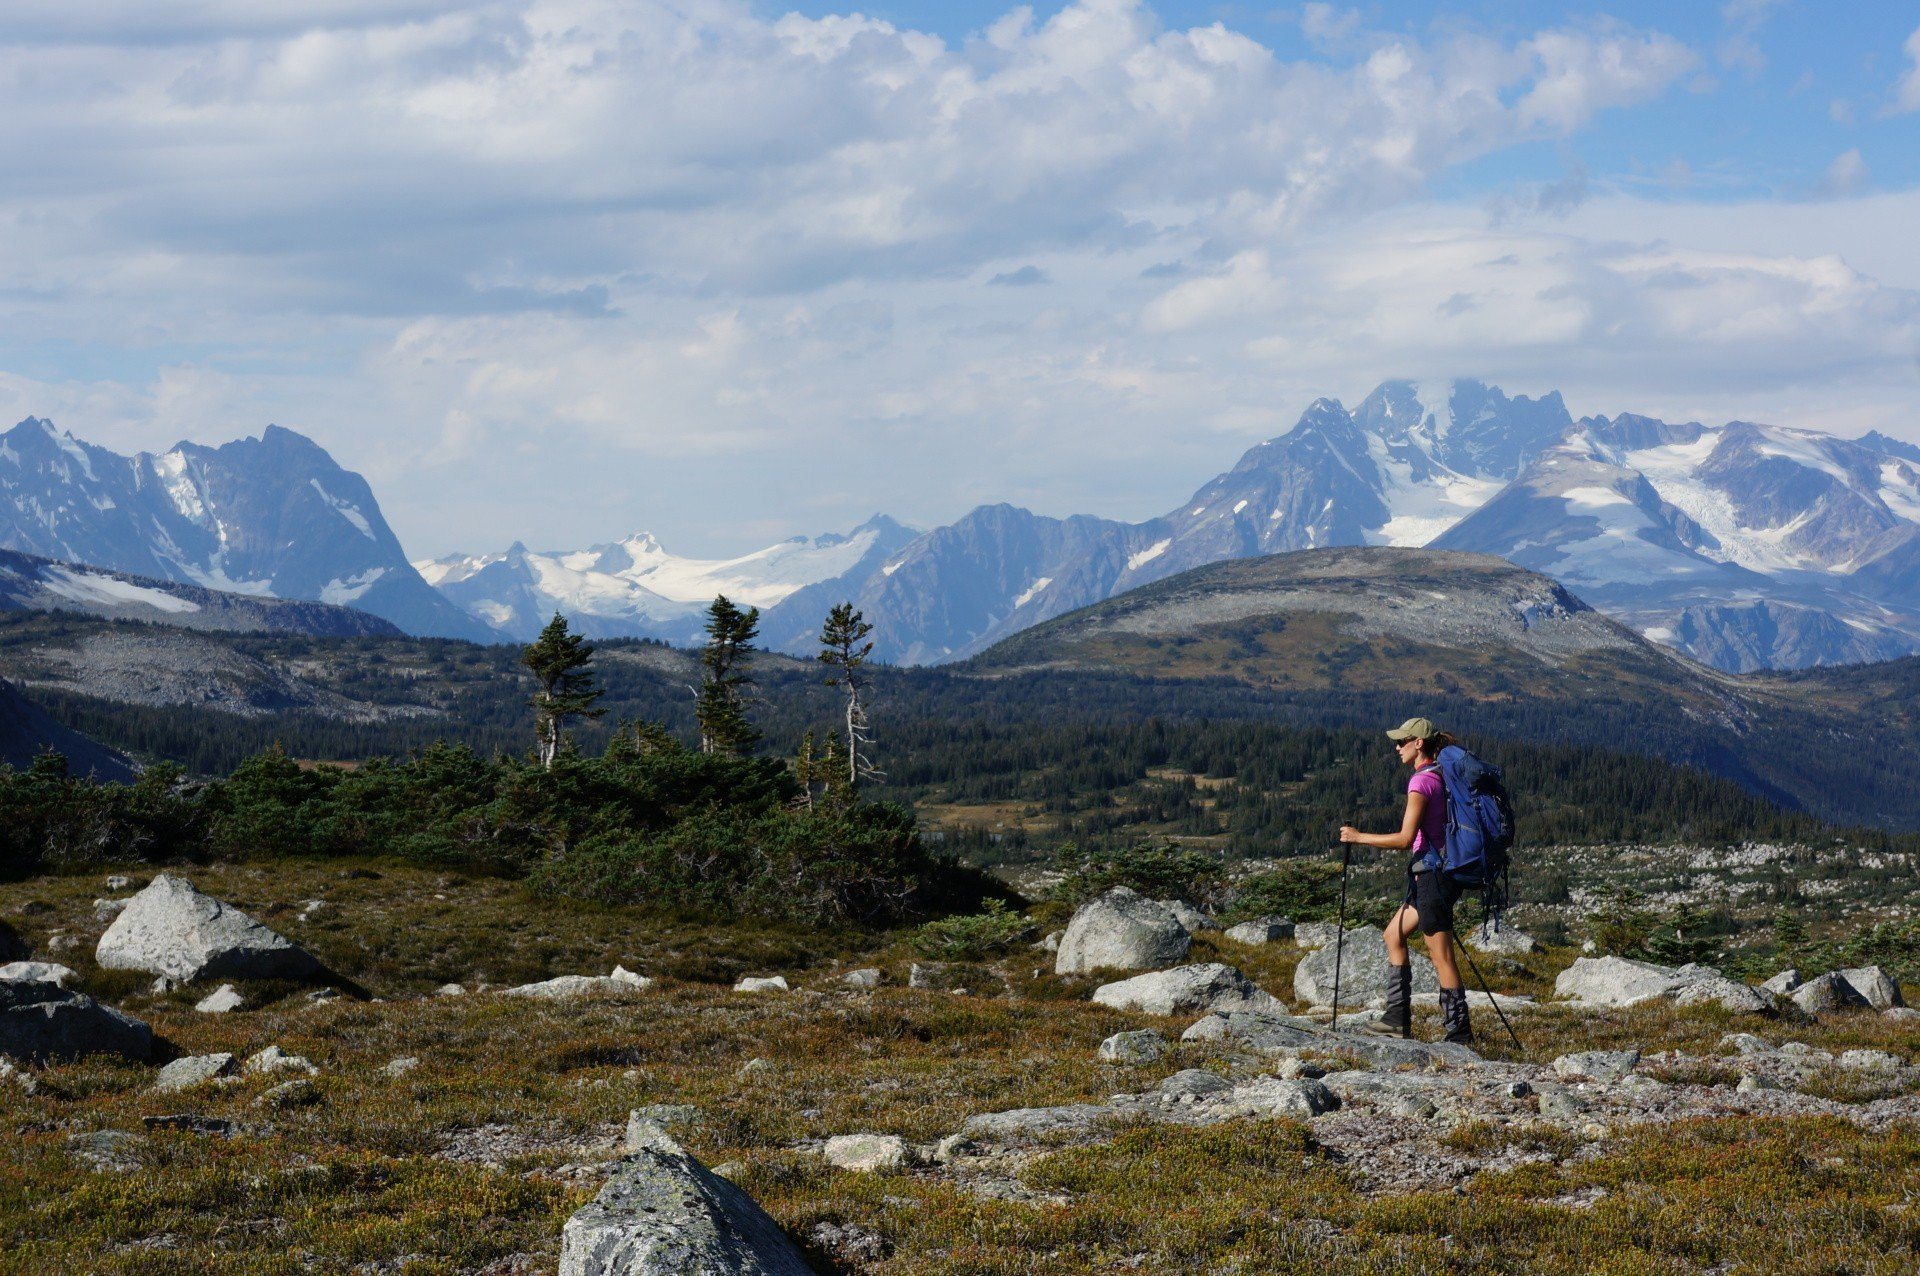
1383 619
31 583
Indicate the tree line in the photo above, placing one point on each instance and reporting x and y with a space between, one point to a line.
713 829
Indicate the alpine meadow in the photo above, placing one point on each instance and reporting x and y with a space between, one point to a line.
745 639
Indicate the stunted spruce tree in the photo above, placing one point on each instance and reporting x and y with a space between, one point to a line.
721 703
844 648
559 661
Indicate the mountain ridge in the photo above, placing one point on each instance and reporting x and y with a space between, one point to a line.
272 516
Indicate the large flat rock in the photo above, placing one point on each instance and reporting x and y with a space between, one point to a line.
1187 990
172 929
1261 1031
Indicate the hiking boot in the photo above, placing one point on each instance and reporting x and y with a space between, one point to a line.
1454 1017
1398 1016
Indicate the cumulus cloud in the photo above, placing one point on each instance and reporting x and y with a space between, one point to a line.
467 244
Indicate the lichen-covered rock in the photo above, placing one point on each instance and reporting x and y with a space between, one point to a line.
1194 1081
43 1022
771 983
1121 930
1614 981
1596 1065
1876 985
273 1059
1363 972
1261 930
1823 993
662 1213
865 977
1729 994
1186 990
567 987
1143 1045
1318 934
172 929
867 1153
222 1000
194 1070
1188 916
1783 983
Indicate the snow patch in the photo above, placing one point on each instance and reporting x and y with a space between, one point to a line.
1672 469
1032 590
1900 490
1148 554
342 592
346 510
84 587
1418 512
1240 506
180 487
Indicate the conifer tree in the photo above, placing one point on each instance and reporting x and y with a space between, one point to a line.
844 648
720 704
559 660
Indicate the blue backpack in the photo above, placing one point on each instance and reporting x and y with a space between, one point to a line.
1479 825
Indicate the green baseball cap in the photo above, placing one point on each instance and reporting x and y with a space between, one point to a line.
1414 729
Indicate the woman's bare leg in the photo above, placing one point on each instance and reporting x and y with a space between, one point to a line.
1440 948
1399 926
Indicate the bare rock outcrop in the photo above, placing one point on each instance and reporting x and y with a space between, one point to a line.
1121 930
172 929
662 1213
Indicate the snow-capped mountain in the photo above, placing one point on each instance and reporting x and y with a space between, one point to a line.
634 586
272 516
1746 546
1396 472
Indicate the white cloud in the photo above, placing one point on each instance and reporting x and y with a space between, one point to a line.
645 253
1906 96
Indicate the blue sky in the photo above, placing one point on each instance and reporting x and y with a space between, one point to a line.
562 270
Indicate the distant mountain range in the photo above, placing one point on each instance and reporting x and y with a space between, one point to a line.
272 516
1745 546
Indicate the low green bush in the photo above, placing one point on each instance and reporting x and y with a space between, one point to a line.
972 937
1158 870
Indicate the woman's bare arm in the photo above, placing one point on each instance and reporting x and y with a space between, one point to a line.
1416 807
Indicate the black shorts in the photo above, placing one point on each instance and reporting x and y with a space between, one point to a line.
1433 894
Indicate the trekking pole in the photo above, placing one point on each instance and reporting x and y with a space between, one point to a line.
1491 999
1340 933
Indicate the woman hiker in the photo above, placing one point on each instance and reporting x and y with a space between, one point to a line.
1428 905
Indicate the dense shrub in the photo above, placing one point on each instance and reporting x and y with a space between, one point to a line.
860 864
1304 890
52 820
1158 870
